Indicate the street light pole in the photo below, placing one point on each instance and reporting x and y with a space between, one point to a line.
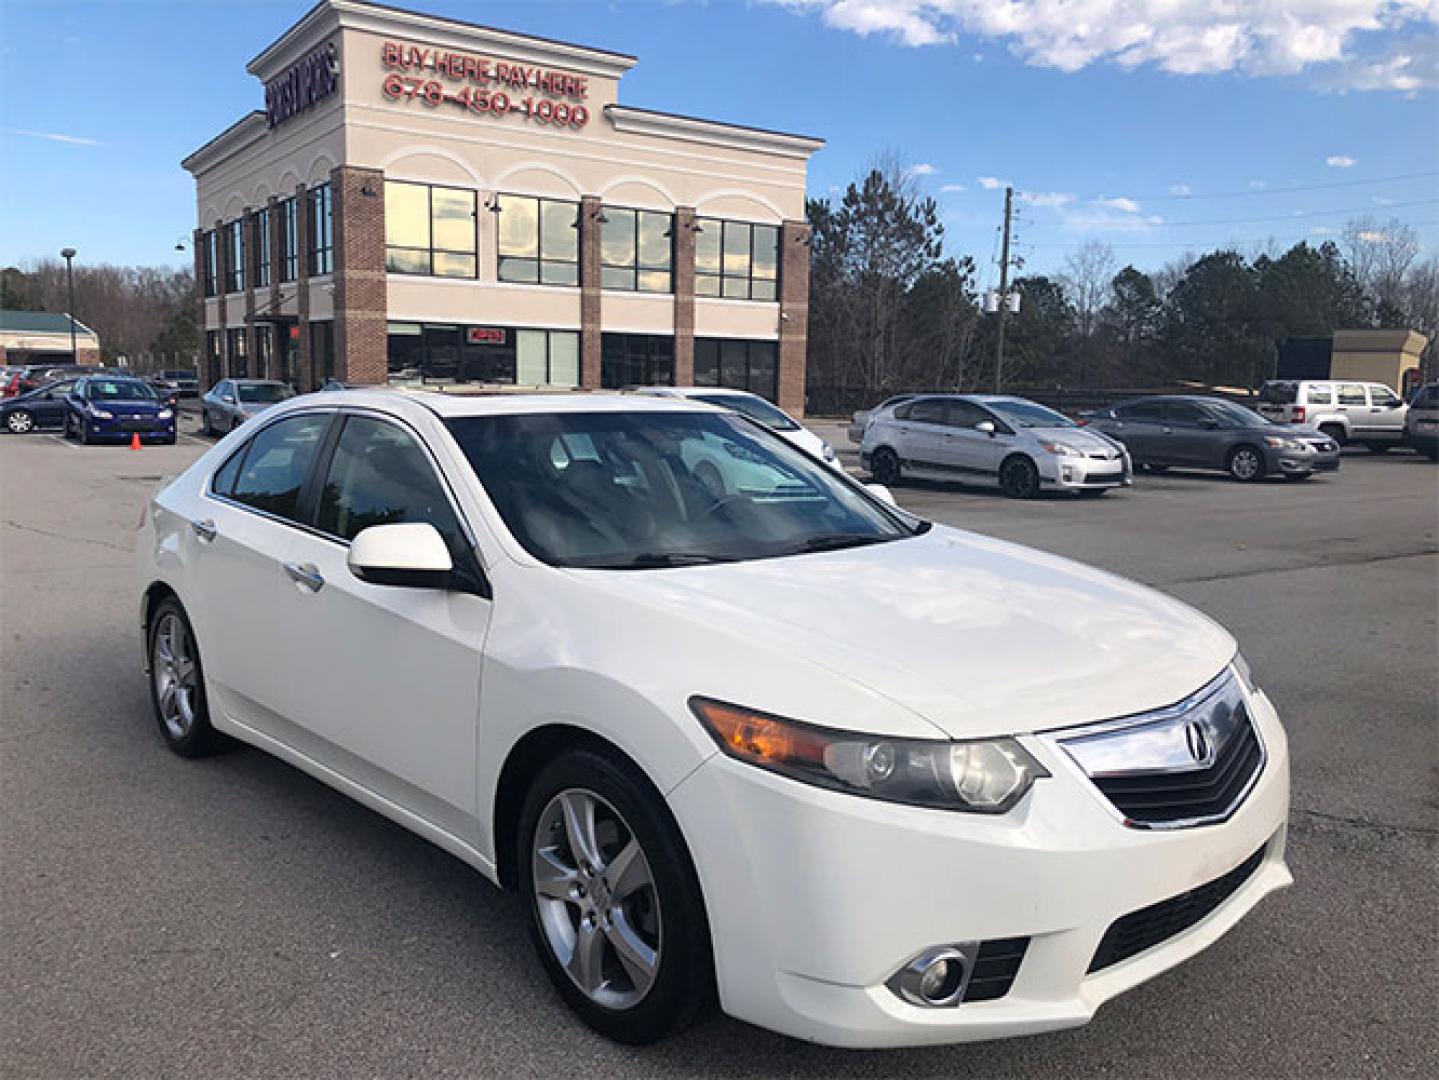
67 254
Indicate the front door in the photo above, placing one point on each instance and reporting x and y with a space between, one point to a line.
1386 413
385 680
971 453
1186 439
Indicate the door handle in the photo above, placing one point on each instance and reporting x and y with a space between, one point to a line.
205 529
306 574
1169 431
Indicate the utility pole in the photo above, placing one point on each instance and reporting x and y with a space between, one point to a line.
1003 290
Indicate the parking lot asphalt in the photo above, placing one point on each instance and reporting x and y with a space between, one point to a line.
233 917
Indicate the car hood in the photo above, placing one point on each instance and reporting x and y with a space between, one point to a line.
1079 438
977 636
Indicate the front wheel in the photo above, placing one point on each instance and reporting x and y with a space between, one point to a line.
884 467
1245 464
1019 479
20 422
614 902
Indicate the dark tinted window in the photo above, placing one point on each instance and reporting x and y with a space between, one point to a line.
379 475
966 414
1427 398
927 411
1185 412
1141 410
1280 393
277 463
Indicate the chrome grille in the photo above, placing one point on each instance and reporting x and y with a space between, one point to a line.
1191 764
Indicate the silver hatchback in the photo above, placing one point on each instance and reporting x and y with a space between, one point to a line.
1012 442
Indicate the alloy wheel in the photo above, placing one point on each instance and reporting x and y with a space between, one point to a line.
1245 465
596 898
1019 479
885 467
173 667
19 422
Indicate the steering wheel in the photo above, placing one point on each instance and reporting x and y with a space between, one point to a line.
720 504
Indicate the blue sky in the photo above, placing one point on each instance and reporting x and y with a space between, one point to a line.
1101 128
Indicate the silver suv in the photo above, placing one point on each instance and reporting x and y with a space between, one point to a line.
1345 410
1421 424
983 438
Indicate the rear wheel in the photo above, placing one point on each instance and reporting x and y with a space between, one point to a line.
20 422
615 907
1245 464
1018 478
177 683
884 467
205 428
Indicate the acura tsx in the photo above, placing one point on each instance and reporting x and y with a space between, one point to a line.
735 727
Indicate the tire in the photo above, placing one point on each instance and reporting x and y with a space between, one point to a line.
20 422
1245 464
170 441
659 918
1378 447
1335 432
183 716
65 428
1018 478
884 467
83 431
205 428
233 425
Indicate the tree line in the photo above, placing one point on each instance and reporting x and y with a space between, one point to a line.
891 311
148 314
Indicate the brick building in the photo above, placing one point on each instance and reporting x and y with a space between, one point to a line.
429 201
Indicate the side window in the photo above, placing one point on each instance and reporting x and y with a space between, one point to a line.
1351 394
380 476
1184 413
1319 395
1382 397
224 480
927 411
1141 411
277 464
965 414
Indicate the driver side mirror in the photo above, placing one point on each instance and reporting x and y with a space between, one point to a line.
986 426
411 555
1209 423
228 399
882 493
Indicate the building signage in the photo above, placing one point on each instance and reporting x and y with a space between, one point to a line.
485 335
310 80
481 86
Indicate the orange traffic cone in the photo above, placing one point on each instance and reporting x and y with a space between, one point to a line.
135 441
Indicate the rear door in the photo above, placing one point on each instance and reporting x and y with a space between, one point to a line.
1139 425
49 406
1351 400
921 433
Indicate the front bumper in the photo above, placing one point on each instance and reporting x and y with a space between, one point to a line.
815 898
147 428
1084 473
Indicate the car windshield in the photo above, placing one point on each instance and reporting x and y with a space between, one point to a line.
641 490
263 393
1237 414
755 408
118 390
1027 414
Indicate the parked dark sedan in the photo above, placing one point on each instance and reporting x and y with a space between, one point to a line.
105 408
1210 433
35 409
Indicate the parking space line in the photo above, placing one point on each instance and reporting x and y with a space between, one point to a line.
62 440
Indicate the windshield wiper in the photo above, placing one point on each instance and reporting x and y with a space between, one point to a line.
837 542
648 560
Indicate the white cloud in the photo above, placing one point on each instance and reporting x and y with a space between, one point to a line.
1052 199
924 168
1258 185
953 189
1346 44
991 183
1341 161
1128 206
55 136
1373 236
1180 189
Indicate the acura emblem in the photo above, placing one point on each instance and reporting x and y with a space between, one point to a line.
1197 739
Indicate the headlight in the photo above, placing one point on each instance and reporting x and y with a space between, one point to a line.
1061 448
1241 667
826 451
986 776
164 414
1277 442
101 414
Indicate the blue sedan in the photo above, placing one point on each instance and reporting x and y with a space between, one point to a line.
39 408
101 408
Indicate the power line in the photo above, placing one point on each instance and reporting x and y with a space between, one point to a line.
1214 244
1294 216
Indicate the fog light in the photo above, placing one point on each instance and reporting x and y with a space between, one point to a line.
1067 473
936 978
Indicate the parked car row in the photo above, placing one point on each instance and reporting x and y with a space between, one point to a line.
93 408
1025 448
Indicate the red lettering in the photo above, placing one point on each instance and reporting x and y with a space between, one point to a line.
392 54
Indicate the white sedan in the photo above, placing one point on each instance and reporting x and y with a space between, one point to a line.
757 409
871 782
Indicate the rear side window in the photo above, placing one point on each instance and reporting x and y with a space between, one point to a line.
276 465
1319 395
1352 394
1278 393
928 411
1141 410
379 475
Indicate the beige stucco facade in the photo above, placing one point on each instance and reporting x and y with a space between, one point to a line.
1381 356
405 107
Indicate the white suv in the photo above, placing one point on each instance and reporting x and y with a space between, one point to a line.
1346 411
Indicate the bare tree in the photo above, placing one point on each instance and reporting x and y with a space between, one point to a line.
1086 277
1380 253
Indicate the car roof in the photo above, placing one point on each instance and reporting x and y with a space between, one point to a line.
692 391
511 404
